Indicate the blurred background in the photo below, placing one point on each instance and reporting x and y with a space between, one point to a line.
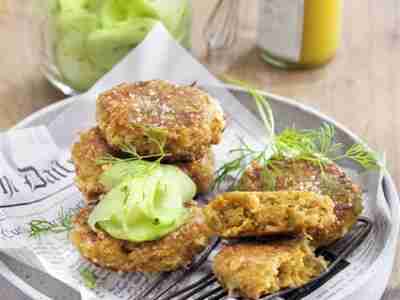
360 87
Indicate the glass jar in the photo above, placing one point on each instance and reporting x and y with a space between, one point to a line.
83 39
299 33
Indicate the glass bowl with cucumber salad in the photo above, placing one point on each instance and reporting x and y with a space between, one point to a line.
83 39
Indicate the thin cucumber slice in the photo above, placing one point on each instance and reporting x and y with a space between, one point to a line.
74 63
80 22
173 14
114 11
108 46
77 5
68 5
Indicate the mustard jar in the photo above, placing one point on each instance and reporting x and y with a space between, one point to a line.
299 33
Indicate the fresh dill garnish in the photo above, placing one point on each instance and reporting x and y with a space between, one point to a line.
40 227
132 156
245 155
316 146
325 137
156 136
365 157
89 278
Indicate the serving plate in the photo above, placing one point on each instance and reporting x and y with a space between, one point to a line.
38 285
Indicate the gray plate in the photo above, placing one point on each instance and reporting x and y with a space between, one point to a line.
38 285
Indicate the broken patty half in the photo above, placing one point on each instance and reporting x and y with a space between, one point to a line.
254 270
241 214
300 175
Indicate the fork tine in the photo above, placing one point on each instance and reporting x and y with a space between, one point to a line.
210 293
198 288
202 258
354 240
219 295
355 237
153 285
351 241
197 285
336 266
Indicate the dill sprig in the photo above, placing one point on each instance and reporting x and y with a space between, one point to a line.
245 156
89 278
365 157
133 155
157 136
317 146
40 227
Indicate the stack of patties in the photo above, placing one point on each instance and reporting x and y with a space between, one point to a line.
290 221
139 171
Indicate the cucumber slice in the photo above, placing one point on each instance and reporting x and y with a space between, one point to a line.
173 14
74 64
143 206
93 5
142 8
183 32
67 5
114 11
73 28
51 6
108 46
79 21
77 5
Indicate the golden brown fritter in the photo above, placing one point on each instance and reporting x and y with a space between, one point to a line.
255 270
299 175
239 214
171 252
200 171
92 147
85 154
188 119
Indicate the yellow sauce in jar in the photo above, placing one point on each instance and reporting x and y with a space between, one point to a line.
321 31
296 42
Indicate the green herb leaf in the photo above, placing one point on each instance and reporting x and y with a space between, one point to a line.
40 227
89 279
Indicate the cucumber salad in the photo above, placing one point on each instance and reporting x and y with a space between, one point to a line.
90 36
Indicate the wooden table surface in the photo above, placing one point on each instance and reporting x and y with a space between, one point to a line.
360 88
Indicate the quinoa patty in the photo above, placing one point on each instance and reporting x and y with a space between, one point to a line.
92 146
255 270
239 214
200 171
85 154
299 175
171 252
187 119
